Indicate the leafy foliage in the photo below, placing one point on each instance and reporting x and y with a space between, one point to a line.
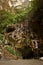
1 37
7 18
12 51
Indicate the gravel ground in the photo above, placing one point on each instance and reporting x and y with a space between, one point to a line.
22 62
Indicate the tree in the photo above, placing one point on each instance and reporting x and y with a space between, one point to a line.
37 16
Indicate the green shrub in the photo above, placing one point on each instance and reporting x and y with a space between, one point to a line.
7 18
12 51
1 37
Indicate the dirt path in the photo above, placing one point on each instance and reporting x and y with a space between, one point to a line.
22 62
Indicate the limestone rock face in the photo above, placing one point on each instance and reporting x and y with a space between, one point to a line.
10 5
18 37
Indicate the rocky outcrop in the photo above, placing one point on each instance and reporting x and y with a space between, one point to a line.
17 37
